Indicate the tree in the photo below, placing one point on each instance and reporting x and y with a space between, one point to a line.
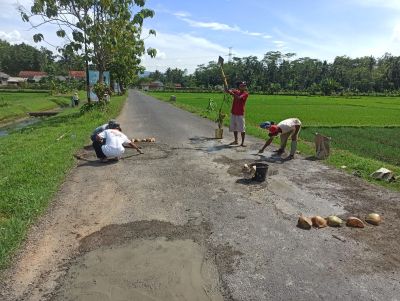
157 75
174 76
15 58
107 28
328 86
46 60
68 60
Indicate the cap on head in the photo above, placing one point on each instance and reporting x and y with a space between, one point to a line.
242 84
265 124
273 129
115 125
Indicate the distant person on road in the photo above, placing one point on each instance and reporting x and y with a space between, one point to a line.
237 123
112 143
75 100
286 128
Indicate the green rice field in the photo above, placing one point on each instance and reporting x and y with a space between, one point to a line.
365 131
14 105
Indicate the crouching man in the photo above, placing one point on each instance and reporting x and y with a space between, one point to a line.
286 128
115 141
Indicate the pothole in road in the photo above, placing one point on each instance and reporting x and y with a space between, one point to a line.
148 260
236 166
151 152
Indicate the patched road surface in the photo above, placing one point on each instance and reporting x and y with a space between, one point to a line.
182 223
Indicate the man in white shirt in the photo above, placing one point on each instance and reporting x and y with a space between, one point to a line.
114 144
97 144
288 127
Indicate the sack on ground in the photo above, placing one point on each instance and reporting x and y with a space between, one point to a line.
322 146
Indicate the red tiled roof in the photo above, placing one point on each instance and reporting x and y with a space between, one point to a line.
27 74
77 74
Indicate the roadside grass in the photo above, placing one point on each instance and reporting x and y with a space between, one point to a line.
365 131
34 161
15 105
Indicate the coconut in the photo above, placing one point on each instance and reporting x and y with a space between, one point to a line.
373 219
334 221
318 222
304 222
354 222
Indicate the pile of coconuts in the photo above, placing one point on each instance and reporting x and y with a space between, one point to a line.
150 139
334 221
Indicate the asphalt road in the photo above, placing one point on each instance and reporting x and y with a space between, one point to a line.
189 187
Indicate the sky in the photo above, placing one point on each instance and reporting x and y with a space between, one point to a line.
191 33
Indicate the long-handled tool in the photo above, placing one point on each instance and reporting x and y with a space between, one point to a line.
221 63
221 115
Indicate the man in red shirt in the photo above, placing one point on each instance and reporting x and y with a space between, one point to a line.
237 112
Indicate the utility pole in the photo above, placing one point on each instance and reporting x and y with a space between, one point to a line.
87 68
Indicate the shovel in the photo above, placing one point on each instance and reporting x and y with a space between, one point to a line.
221 63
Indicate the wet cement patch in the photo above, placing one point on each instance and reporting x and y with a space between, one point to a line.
148 260
158 269
151 151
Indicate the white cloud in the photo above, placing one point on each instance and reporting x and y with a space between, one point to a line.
160 55
220 27
279 43
13 37
182 14
183 51
396 33
391 4
255 34
211 25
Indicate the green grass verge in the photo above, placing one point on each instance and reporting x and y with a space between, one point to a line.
16 105
365 131
34 162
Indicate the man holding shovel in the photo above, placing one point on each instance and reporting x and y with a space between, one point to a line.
237 123
288 127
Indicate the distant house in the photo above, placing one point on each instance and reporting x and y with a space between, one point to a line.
178 86
153 86
77 74
32 76
3 78
15 81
